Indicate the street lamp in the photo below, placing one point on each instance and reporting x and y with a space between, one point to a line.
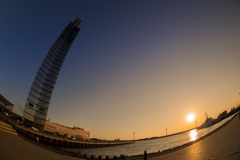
133 135
196 122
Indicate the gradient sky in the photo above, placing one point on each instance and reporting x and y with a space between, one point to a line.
136 66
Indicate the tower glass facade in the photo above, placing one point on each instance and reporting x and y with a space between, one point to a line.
37 103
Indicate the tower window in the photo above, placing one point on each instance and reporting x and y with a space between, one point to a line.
41 109
30 104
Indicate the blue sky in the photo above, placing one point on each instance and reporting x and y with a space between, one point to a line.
135 65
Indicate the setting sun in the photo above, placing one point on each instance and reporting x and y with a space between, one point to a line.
190 117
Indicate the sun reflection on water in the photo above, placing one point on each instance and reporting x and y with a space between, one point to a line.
193 135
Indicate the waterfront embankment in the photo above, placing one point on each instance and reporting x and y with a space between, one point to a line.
52 140
224 143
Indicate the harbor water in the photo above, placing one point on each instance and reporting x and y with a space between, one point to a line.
151 146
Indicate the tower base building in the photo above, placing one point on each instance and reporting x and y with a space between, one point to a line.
69 132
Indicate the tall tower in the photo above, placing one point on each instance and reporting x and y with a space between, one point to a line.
37 103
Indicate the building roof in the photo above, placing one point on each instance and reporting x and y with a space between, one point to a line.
3 99
65 126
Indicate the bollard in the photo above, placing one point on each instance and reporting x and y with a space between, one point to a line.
107 157
145 155
99 157
78 154
122 156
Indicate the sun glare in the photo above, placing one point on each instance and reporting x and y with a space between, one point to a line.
190 117
193 135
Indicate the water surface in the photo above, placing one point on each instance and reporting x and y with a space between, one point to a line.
153 145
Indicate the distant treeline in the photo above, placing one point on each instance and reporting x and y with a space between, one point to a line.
224 114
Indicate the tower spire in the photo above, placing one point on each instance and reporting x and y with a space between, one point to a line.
77 22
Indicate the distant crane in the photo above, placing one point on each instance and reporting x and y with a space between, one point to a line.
133 135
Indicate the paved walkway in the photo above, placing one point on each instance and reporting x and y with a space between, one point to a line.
13 147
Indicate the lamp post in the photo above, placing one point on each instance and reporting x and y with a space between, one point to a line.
196 122
133 135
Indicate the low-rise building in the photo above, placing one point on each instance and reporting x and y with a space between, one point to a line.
64 130
5 104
